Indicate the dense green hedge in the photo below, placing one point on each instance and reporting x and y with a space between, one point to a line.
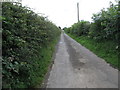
105 25
28 41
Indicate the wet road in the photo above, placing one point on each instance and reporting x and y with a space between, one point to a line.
77 67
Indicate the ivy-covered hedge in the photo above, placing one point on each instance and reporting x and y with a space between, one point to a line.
26 38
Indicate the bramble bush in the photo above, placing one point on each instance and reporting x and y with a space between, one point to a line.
27 41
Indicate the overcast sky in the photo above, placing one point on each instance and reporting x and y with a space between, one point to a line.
64 12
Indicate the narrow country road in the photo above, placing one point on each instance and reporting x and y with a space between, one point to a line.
77 67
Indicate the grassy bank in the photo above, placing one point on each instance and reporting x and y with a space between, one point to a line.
42 64
106 50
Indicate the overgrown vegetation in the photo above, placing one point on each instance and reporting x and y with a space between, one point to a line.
102 35
28 44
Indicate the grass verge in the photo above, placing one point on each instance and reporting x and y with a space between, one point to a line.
106 50
43 64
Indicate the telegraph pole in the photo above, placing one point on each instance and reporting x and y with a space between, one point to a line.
78 11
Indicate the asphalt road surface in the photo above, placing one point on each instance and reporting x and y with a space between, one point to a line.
77 67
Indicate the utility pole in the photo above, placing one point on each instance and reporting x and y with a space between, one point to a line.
78 11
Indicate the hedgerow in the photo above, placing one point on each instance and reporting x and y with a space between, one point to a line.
105 25
27 40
